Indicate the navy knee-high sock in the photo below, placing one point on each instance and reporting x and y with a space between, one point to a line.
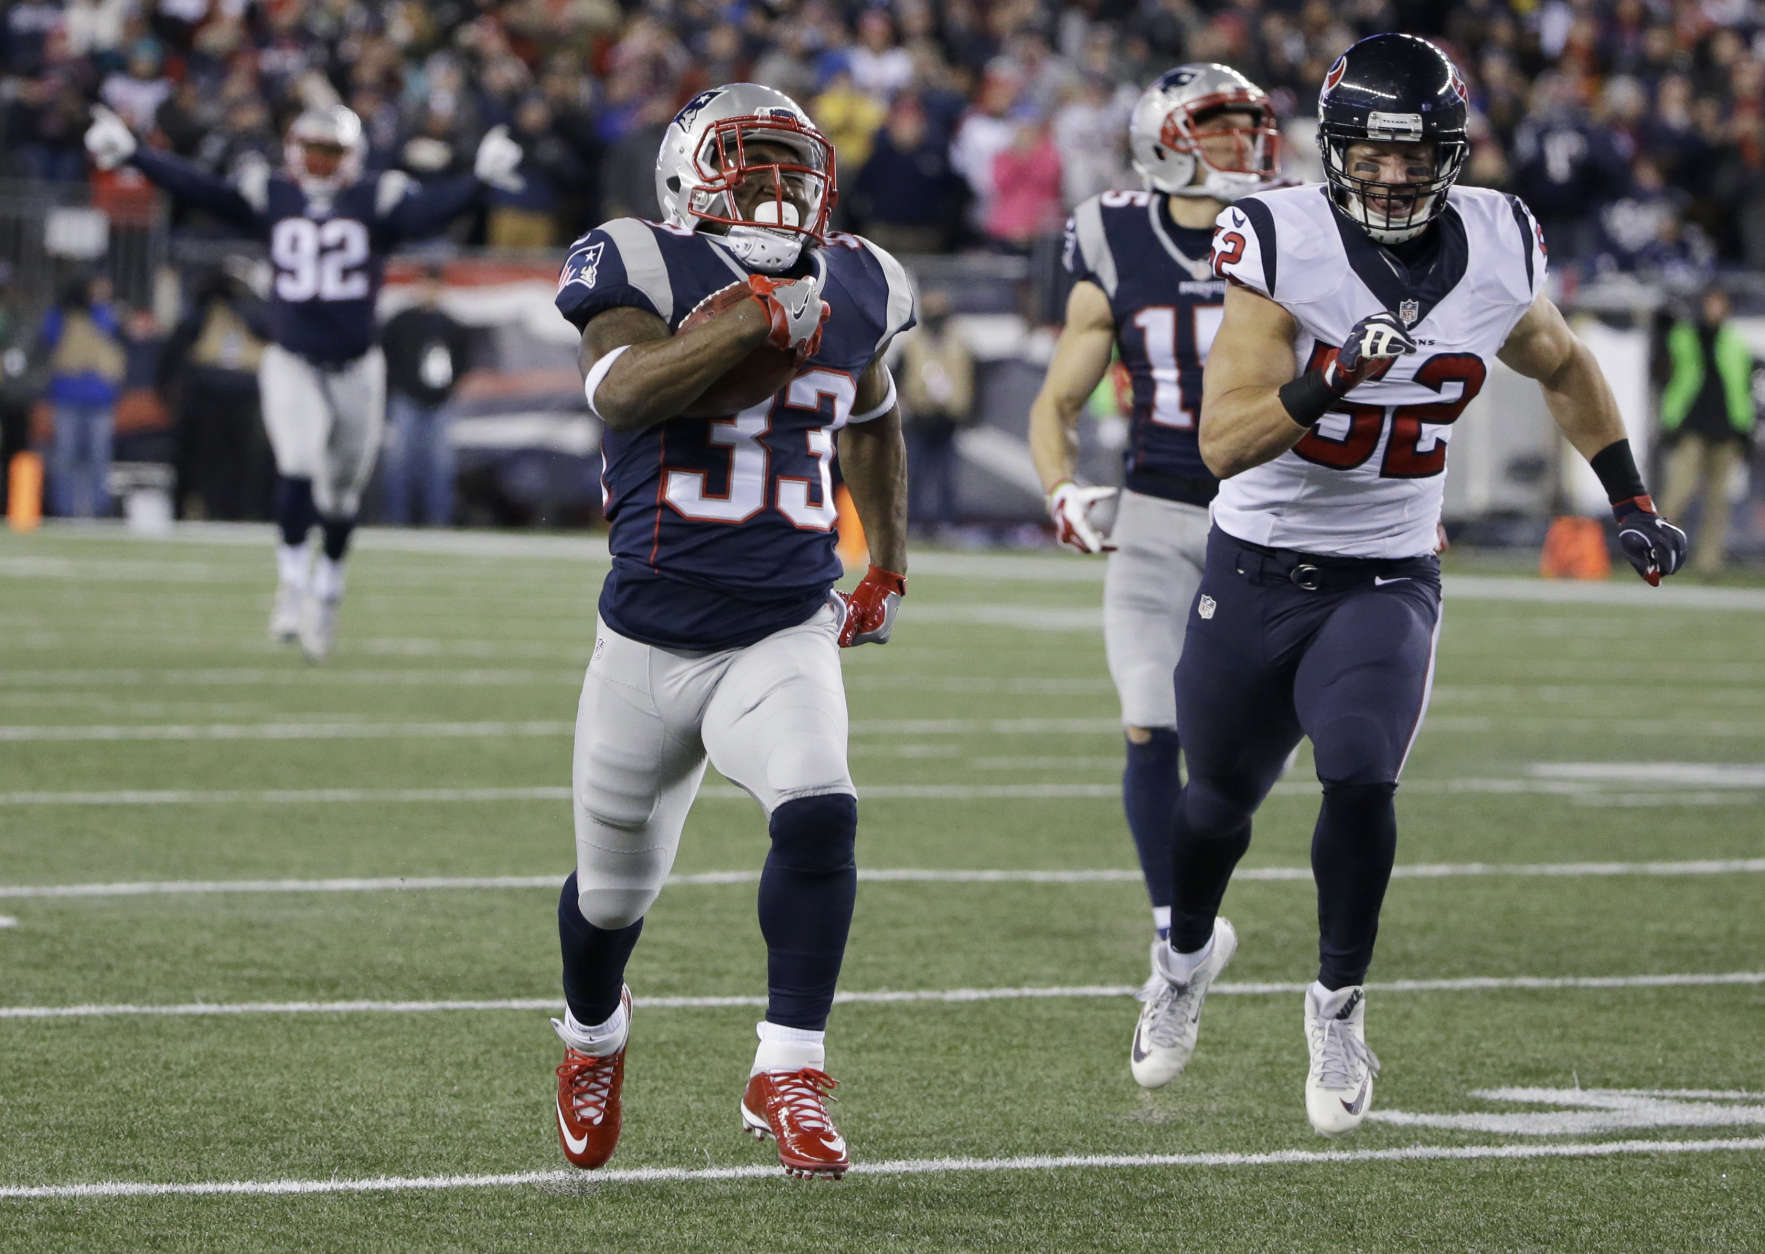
337 532
294 509
594 960
807 890
1352 851
1150 785
1210 835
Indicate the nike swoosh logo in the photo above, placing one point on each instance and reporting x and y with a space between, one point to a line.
836 1143
577 1144
1360 1099
1379 582
1237 218
1140 1055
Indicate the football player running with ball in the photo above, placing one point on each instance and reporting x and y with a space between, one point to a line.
719 629
329 228
1201 136
1361 320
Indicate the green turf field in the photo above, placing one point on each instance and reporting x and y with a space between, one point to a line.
278 943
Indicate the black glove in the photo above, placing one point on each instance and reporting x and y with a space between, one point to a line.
1372 345
1651 544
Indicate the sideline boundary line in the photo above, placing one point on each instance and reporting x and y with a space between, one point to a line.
895 1167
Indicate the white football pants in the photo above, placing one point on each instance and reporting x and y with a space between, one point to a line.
325 425
770 716
1161 549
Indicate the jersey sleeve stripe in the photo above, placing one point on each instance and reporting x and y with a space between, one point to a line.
1524 219
1094 245
899 311
1263 223
645 268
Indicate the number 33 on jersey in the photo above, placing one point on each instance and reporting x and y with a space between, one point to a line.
1367 480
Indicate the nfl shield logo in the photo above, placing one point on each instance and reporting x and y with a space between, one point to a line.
1205 607
1409 311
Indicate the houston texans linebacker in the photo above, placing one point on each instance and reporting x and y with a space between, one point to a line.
1202 135
719 628
323 377
1360 321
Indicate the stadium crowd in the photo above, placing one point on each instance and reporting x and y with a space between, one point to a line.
1634 128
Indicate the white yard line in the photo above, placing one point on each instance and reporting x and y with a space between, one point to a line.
437 729
891 1167
1474 984
884 875
1711 787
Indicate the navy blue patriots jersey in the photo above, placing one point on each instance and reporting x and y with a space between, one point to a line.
1167 305
328 252
723 528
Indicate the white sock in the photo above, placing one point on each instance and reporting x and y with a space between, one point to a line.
602 1038
788 1049
1179 968
1161 920
328 579
1329 1002
292 564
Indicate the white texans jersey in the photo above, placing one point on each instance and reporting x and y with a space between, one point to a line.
1368 479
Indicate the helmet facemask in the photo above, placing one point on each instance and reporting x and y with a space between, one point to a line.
788 201
1256 146
1389 212
336 133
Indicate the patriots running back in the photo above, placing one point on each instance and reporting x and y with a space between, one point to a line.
719 626
328 228
1362 318
1201 136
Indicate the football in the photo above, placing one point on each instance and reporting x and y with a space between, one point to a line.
752 379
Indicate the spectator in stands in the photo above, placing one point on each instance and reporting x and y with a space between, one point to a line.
137 94
787 63
906 197
937 399
82 342
1707 416
426 353
550 176
848 116
880 67
207 377
16 392
985 131
1026 180
1088 128
628 170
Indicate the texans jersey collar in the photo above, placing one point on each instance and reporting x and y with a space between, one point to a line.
1168 233
1397 285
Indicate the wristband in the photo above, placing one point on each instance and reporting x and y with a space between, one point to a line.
1307 398
896 583
1616 468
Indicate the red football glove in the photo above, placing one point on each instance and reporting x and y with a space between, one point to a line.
871 608
794 309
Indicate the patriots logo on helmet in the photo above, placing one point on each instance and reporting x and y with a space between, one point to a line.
1335 74
692 108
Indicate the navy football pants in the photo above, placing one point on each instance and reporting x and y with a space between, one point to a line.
1280 645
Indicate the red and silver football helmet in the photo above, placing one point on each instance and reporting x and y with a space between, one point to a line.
706 156
1167 150
325 148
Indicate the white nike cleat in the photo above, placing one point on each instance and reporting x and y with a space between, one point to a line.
285 613
1339 1086
318 628
1170 1019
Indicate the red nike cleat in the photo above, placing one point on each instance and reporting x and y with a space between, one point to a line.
588 1099
791 1107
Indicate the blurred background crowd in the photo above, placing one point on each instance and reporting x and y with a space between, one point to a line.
1634 128
965 131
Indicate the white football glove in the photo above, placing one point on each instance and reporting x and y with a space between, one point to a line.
1082 516
109 139
497 160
